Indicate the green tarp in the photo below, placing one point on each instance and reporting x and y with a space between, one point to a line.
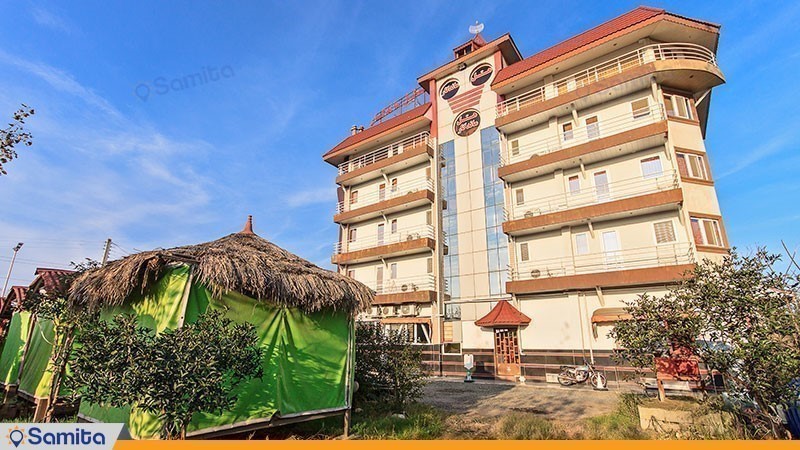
305 363
14 347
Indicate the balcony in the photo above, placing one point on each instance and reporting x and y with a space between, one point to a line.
607 138
680 65
630 267
398 155
407 241
415 289
385 201
613 200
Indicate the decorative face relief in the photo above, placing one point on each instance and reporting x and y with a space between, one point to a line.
481 74
467 122
449 89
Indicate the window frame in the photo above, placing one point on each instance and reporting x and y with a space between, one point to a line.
644 111
702 164
716 223
524 255
588 250
674 232
655 174
570 132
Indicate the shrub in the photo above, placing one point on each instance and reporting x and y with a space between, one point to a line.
388 368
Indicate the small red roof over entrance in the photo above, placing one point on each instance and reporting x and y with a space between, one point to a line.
503 315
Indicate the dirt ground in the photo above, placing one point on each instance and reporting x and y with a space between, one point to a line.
476 406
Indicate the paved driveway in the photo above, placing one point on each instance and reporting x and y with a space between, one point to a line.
487 400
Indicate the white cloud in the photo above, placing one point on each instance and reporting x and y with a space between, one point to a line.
51 20
311 197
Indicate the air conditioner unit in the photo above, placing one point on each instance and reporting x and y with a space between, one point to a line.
536 273
409 310
528 214
377 312
404 287
387 311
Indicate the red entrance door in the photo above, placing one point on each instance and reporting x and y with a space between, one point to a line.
506 353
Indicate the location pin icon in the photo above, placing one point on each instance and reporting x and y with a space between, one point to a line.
16 437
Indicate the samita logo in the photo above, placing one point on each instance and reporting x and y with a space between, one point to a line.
481 74
467 122
35 436
449 89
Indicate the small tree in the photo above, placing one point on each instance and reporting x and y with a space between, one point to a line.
388 368
53 305
740 316
174 374
14 135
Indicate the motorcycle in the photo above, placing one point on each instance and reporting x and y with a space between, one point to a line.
578 374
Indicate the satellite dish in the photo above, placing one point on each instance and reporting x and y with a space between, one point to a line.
476 29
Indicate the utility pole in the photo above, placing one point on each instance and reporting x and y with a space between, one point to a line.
106 251
10 268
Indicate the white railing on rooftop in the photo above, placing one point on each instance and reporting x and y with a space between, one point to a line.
594 74
585 196
581 135
393 149
401 235
426 282
378 195
636 258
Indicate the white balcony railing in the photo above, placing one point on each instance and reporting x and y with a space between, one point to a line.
401 235
378 195
616 190
581 135
425 282
599 72
637 258
393 149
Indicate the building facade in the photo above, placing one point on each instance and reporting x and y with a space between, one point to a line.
510 205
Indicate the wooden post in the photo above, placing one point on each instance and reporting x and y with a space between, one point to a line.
41 409
662 395
347 423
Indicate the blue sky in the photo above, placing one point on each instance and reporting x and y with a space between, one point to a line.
187 165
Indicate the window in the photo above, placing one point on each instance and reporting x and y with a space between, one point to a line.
379 279
651 167
592 127
523 252
665 232
707 232
452 311
566 131
428 173
430 265
640 108
353 197
394 184
515 147
382 192
574 185
581 244
393 271
429 217
692 166
520 196
453 348
394 226
678 106
352 235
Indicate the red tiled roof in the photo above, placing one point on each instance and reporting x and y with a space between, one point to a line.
503 314
50 278
18 292
615 25
415 113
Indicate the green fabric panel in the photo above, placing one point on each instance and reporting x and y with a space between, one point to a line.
305 362
37 370
159 310
14 347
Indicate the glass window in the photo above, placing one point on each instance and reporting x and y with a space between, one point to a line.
352 236
566 131
692 166
665 232
520 196
393 270
394 226
515 147
651 167
707 232
581 244
592 127
523 252
574 185
353 197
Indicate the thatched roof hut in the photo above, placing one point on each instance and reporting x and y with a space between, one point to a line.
304 317
240 262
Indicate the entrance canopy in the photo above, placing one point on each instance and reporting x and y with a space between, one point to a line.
503 315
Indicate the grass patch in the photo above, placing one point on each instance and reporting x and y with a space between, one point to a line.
622 423
525 426
419 422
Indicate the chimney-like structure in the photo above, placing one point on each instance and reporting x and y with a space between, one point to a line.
248 227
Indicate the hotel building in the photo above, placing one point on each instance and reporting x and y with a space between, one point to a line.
509 205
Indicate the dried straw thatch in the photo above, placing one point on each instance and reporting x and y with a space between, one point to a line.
241 262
